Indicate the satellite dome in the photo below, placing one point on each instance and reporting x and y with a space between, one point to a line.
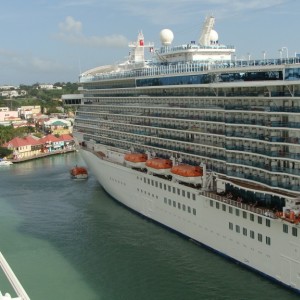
166 37
214 37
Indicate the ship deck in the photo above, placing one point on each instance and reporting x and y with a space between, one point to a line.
227 198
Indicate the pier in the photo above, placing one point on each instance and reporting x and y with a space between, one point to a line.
41 155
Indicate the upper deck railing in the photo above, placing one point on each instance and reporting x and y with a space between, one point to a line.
159 69
164 50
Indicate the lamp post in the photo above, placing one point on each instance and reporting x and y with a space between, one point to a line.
264 55
287 51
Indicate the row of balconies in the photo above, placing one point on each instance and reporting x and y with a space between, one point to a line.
188 137
204 117
263 177
190 103
272 182
264 166
254 136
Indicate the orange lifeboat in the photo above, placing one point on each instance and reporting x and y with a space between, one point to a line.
79 173
188 173
159 165
135 159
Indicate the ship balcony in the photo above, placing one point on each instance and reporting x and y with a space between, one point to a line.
262 108
263 180
264 166
262 137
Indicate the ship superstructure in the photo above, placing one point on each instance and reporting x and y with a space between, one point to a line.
204 144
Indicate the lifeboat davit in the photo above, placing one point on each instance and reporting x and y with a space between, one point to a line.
79 173
188 173
136 160
159 165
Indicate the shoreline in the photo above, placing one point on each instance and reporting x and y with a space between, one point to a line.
56 152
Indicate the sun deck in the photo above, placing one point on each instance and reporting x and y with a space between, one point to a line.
157 69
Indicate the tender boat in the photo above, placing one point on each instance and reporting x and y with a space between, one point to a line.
159 166
4 162
136 160
187 173
79 173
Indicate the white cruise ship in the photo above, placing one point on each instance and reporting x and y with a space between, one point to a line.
206 144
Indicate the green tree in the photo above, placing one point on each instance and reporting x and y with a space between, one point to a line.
5 152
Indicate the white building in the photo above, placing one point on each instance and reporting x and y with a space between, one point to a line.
29 111
49 87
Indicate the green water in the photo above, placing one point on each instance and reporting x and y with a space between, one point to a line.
68 239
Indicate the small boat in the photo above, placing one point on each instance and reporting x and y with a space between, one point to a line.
159 165
136 160
79 173
4 162
187 173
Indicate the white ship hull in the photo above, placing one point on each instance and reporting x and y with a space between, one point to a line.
204 219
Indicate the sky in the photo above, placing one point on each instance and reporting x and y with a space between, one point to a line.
49 41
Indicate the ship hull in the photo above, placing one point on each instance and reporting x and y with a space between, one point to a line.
198 216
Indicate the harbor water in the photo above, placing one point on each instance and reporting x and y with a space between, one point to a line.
67 239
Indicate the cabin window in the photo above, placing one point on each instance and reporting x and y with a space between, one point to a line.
156 184
165 187
188 195
189 209
252 235
183 193
244 214
217 205
160 185
237 228
259 220
179 205
178 191
244 231
230 226
294 231
230 209
252 217
268 223
268 240
169 201
174 204
148 181
174 190
183 207
193 196
169 188
259 237
237 212
194 211
224 207
152 182
211 203
285 228
145 179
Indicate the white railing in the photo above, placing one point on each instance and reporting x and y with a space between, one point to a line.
15 283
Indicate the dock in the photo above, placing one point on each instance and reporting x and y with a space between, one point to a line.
41 155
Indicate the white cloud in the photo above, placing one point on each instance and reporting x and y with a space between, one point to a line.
163 11
71 32
16 61
70 25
